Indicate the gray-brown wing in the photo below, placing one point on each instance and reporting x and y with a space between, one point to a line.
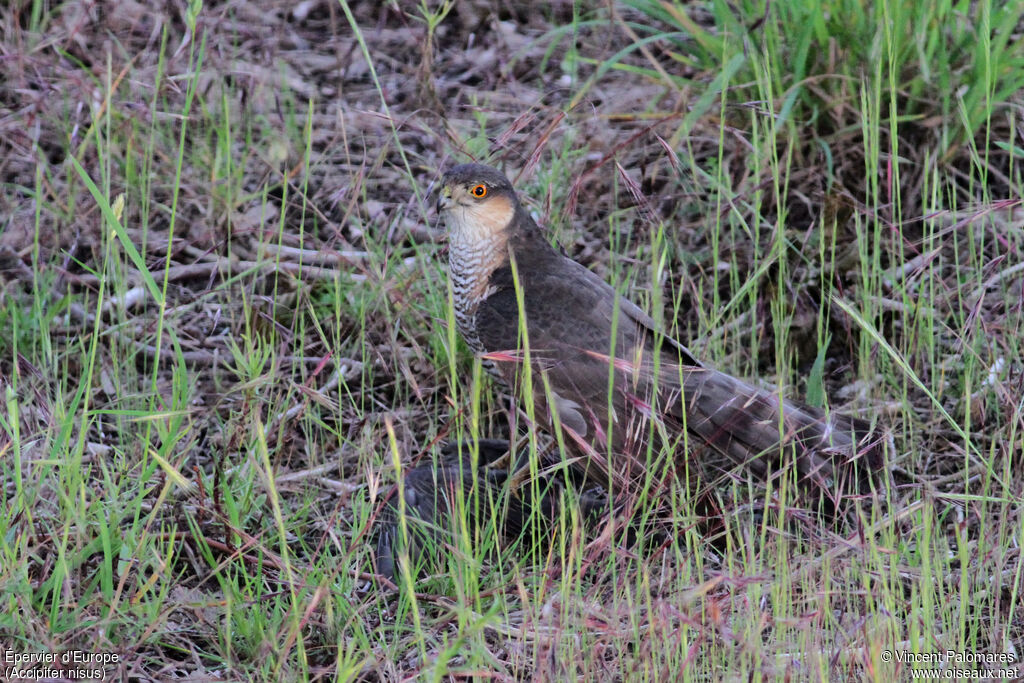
572 318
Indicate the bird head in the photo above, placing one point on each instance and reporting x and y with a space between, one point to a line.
477 201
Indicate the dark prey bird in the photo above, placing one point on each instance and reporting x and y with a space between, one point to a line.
631 402
434 495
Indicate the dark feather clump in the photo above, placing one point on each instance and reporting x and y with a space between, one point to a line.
432 495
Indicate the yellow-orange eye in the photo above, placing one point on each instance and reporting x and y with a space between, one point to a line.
479 191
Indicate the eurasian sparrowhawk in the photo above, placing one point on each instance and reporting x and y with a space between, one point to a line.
632 403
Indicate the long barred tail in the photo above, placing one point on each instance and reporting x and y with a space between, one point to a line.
688 412
757 427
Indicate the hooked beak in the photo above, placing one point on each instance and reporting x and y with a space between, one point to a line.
444 199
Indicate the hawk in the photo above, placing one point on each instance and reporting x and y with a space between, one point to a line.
630 403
